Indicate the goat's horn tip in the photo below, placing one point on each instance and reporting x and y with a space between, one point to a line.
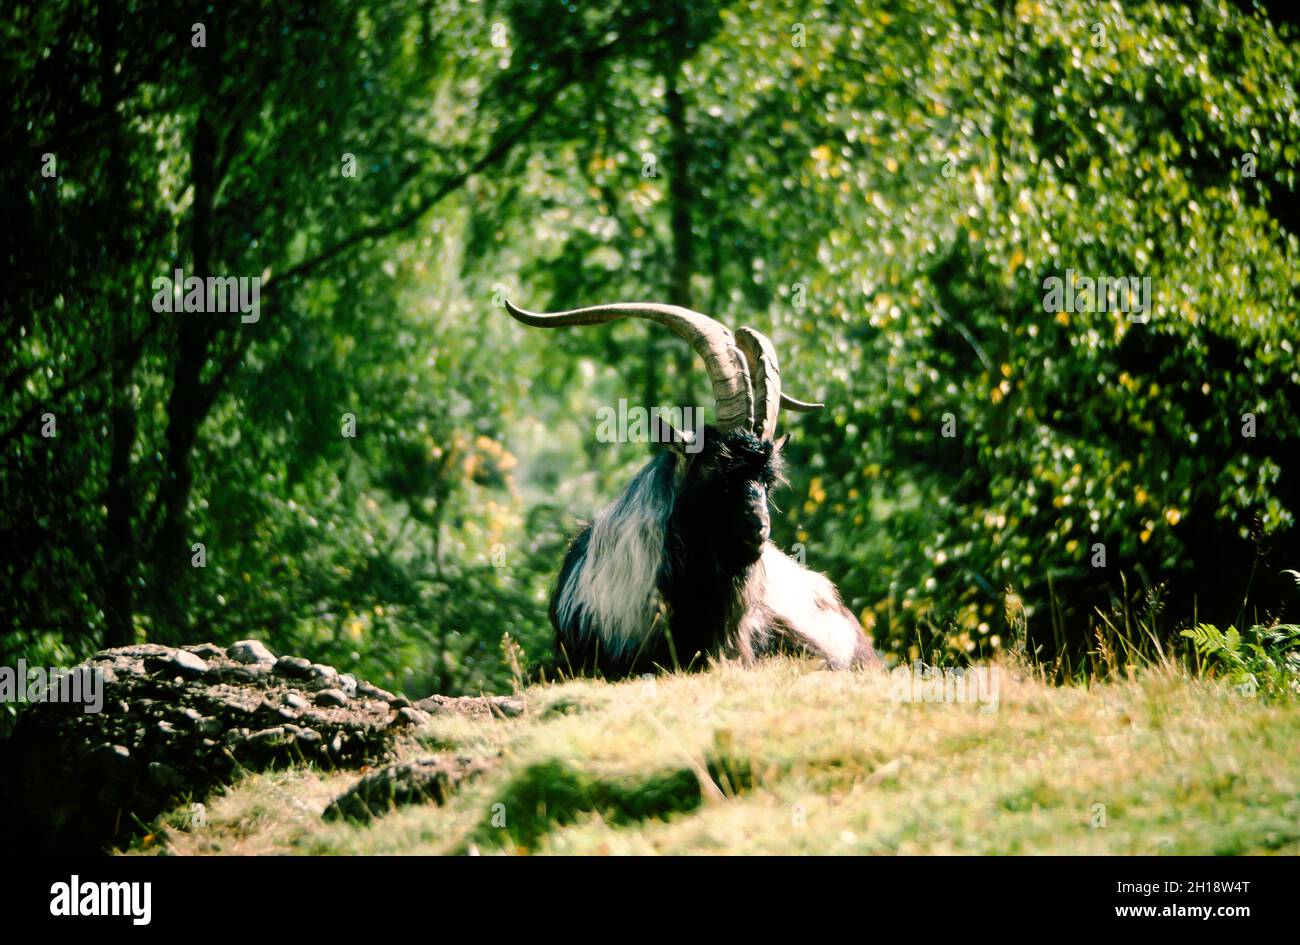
790 403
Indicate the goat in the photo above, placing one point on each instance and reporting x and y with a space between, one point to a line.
679 568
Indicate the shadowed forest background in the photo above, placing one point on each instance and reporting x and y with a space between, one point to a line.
880 187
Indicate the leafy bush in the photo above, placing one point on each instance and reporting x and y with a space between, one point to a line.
884 188
1263 659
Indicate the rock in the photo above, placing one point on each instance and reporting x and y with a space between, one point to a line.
307 736
506 706
331 697
323 677
293 666
206 651
473 707
165 776
324 673
407 716
366 691
266 738
176 723
250 651
413 782
179 663
250 673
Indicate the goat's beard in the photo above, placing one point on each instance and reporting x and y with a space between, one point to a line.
744 554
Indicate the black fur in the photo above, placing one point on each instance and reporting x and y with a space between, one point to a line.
715 532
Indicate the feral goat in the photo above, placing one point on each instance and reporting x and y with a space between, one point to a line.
679 567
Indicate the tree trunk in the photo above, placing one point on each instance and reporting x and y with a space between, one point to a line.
119 571
681 197
187 404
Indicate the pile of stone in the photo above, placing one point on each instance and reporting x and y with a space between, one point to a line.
176 723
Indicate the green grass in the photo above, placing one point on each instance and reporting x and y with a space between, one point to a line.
788 759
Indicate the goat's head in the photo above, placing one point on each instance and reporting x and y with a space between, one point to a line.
722 500
721 509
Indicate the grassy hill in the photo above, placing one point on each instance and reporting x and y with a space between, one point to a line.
788 759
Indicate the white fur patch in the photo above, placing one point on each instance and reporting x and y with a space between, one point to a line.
808 604
616 584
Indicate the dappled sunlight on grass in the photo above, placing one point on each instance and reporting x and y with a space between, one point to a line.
787 759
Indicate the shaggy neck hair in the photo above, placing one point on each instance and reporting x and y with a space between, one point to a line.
658 578
606 591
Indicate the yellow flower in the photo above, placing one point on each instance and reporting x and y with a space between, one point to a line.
1173 516
815 491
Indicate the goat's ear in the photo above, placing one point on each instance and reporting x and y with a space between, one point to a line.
780 444
664 432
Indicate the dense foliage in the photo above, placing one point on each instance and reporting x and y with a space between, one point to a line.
887 189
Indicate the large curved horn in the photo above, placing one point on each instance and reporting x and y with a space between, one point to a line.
765 372
733 394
